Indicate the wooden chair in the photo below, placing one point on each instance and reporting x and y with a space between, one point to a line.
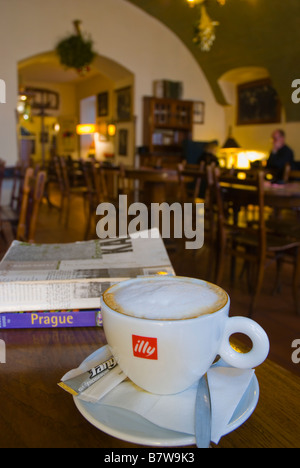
11 211
106 182
190 178
131 183
291 174
67 191
249 239
94 194
195 186
33 191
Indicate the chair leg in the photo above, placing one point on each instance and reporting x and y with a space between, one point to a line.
220 265
88 222
232 270
277 286
67 215
296 278
259 281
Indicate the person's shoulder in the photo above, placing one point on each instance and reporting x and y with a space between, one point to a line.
288 151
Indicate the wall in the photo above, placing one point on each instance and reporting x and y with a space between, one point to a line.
67 109
121 32
254 137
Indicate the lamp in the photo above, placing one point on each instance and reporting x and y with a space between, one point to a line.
23 105
231 149
111 129
85 129
230 143
205 27
85 143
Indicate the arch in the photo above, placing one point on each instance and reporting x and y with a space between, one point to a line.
47 64
231 78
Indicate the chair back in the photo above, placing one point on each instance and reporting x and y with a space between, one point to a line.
191 178
33 191
231 195
59 174
64 173
291 174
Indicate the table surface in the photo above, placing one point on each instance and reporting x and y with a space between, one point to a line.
36 413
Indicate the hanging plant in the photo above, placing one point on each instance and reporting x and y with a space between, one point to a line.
75 51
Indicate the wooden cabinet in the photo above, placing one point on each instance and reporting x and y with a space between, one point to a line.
167 123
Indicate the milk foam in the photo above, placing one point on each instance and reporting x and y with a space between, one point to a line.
166 299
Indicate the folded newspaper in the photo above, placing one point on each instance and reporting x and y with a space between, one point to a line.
73 276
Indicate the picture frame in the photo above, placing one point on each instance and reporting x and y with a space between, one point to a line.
102 104
198 112
43 98
125 142
123 135
258 103
124 104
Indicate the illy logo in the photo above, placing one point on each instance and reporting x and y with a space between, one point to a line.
144 347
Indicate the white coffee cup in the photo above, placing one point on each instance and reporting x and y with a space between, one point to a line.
168 353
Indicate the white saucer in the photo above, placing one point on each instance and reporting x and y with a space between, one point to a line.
131 427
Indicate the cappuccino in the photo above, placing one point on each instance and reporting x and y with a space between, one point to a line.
166 298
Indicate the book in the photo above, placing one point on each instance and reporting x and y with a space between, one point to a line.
51 319
74 276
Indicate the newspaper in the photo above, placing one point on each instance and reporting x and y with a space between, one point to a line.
73 276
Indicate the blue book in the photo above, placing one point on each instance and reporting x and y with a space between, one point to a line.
51 319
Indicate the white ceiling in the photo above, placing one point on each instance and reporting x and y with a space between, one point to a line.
47 68
51 71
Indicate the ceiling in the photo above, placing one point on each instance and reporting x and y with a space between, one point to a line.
46 68
252 33
254 37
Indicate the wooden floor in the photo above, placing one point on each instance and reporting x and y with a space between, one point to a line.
274 312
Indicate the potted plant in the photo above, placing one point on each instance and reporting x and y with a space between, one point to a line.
76 51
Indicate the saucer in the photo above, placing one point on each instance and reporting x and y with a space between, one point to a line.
131 427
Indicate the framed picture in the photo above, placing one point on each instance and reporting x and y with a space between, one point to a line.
102 104
198 112
125 142
67 140
258 103
43 98
124 104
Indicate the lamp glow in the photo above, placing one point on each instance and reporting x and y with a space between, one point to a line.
85 129
111 130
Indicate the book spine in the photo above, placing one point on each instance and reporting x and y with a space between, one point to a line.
69 319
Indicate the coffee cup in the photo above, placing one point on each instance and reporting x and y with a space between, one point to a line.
166 331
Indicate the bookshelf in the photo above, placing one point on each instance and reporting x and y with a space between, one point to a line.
167 123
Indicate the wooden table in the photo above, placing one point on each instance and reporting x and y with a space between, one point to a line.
282 196
154 181
36 413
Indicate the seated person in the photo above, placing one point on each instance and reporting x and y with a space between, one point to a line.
209 155
280 155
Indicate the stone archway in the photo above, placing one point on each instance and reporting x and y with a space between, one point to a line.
45 71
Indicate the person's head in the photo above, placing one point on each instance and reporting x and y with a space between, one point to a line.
278 139
211 148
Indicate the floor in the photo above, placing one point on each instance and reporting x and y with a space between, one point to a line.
275 313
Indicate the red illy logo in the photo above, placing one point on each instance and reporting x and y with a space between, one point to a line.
144 347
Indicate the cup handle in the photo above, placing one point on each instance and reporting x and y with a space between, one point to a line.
257 335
